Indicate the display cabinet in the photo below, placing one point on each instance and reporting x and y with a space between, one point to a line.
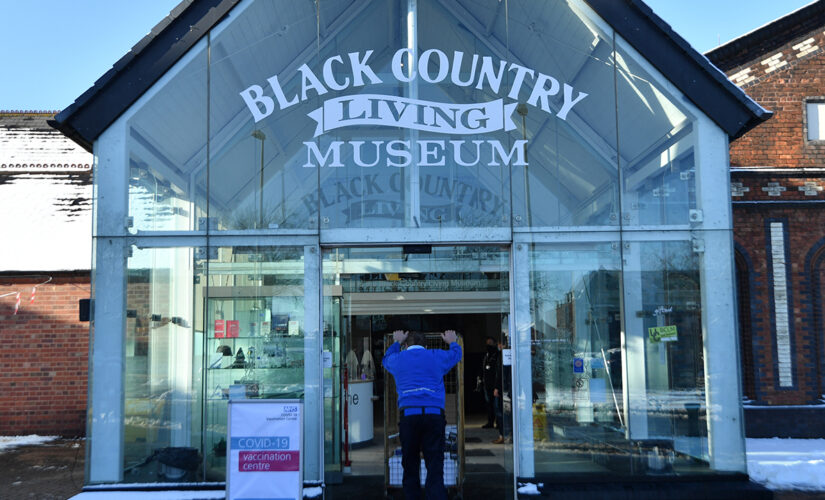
254 350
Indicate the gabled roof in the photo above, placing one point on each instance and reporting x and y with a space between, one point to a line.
769 37
29 119
692 73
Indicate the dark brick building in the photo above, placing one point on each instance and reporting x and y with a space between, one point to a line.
777 180
45 257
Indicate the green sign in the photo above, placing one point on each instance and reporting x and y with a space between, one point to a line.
663 333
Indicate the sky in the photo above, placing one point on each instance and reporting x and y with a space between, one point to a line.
51 51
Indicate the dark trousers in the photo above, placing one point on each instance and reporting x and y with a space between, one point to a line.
499 406
491 407
423 434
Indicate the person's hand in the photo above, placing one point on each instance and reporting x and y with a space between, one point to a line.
399 336
449 336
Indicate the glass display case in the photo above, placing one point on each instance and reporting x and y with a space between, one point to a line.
254 350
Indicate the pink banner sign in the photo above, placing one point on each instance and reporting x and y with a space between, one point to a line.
269 461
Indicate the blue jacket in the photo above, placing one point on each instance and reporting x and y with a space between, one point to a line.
419 373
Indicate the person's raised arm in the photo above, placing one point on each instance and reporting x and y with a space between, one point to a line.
398 337
453 356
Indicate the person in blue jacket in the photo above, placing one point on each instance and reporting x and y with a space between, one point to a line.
419 380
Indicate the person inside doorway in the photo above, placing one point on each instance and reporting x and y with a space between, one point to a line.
489 374
498 394
419 380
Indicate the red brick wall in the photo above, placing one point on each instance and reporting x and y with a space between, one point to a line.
44 356
804 228
794 197
781 141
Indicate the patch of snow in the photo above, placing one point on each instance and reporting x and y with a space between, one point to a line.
49 467
9 442
528 489
314 492
787 464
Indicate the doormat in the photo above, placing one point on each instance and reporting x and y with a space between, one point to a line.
472 439
478 452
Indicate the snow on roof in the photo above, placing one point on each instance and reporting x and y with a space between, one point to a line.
29 144
45 196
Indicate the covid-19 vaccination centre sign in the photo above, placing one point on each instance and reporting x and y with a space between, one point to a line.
264 458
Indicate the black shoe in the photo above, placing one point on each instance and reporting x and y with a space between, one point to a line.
488 425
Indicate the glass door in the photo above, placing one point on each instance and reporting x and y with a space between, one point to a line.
369 293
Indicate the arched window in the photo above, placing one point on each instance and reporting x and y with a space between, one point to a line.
816 271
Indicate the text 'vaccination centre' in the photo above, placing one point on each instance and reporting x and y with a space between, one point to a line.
279 185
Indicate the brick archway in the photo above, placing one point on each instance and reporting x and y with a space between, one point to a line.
743 300
815 271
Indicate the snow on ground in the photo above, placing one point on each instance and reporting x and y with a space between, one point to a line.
9 442
151 495
787 464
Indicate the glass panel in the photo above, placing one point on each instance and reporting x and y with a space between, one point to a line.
167 151
162 369
334 330
254 335
370 292
426 152
667 415
578 409
657 144
571 178
256 178
599 408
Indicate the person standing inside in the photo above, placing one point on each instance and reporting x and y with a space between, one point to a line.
419 380
488 380
498 395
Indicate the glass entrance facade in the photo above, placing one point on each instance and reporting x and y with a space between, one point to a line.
297 136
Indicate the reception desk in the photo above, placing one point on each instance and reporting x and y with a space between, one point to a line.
359 405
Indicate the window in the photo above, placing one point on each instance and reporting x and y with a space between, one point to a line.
815 112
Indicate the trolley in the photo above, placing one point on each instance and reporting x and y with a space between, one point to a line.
454 430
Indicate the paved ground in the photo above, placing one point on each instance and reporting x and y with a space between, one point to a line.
55 472
47 472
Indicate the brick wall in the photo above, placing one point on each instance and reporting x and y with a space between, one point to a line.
752 234
781 141
44 356
779 229
779 222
